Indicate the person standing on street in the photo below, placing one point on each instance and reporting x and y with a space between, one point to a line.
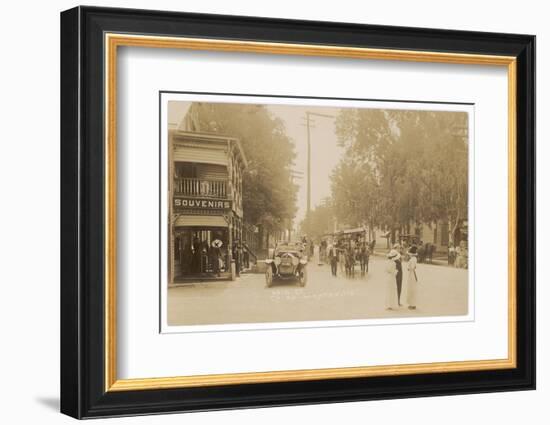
364 258
323 251
458 255
215 254
196 260
451 254
412 279
390 272
333 259
350 261
342 256
237 257
399 274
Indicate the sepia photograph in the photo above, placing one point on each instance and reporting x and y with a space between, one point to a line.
301 210
269 211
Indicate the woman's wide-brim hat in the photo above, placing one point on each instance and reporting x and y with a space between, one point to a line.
393 255
413 250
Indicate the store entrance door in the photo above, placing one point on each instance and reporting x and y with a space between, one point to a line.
201 253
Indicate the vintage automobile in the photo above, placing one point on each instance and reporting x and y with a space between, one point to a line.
288 262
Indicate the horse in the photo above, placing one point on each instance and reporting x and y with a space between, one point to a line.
425 253
350 262
363 257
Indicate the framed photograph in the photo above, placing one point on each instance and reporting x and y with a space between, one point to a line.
261 212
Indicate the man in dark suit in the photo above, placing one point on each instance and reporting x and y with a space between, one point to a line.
399 274
364 258
333 258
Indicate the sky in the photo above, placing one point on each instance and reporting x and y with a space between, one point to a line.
325 152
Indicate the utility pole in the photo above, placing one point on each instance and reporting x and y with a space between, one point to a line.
294 174
308 126
308 165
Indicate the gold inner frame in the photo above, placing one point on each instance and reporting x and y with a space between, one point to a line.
113 41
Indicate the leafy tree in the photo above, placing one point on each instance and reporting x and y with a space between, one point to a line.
319 221
401 167
269 196
355 193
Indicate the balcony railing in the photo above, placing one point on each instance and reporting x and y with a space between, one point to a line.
200 187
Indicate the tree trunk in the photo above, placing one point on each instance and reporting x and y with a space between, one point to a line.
455 227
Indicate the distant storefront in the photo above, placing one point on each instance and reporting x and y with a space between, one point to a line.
206 215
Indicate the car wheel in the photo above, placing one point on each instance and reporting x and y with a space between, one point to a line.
303 277
268 276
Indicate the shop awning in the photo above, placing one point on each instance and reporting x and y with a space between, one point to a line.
201 221
356 230
198 154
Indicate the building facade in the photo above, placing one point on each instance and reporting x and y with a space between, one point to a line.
206 211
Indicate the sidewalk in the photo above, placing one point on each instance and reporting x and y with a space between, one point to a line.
438 259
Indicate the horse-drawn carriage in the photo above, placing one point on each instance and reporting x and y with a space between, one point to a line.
353 248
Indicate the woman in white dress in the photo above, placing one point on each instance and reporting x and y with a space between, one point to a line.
390 272
342 258
412 279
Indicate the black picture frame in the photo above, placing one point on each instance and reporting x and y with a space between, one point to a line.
83 392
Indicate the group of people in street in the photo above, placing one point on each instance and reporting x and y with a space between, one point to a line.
400 267
344 255
394 278
458 256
